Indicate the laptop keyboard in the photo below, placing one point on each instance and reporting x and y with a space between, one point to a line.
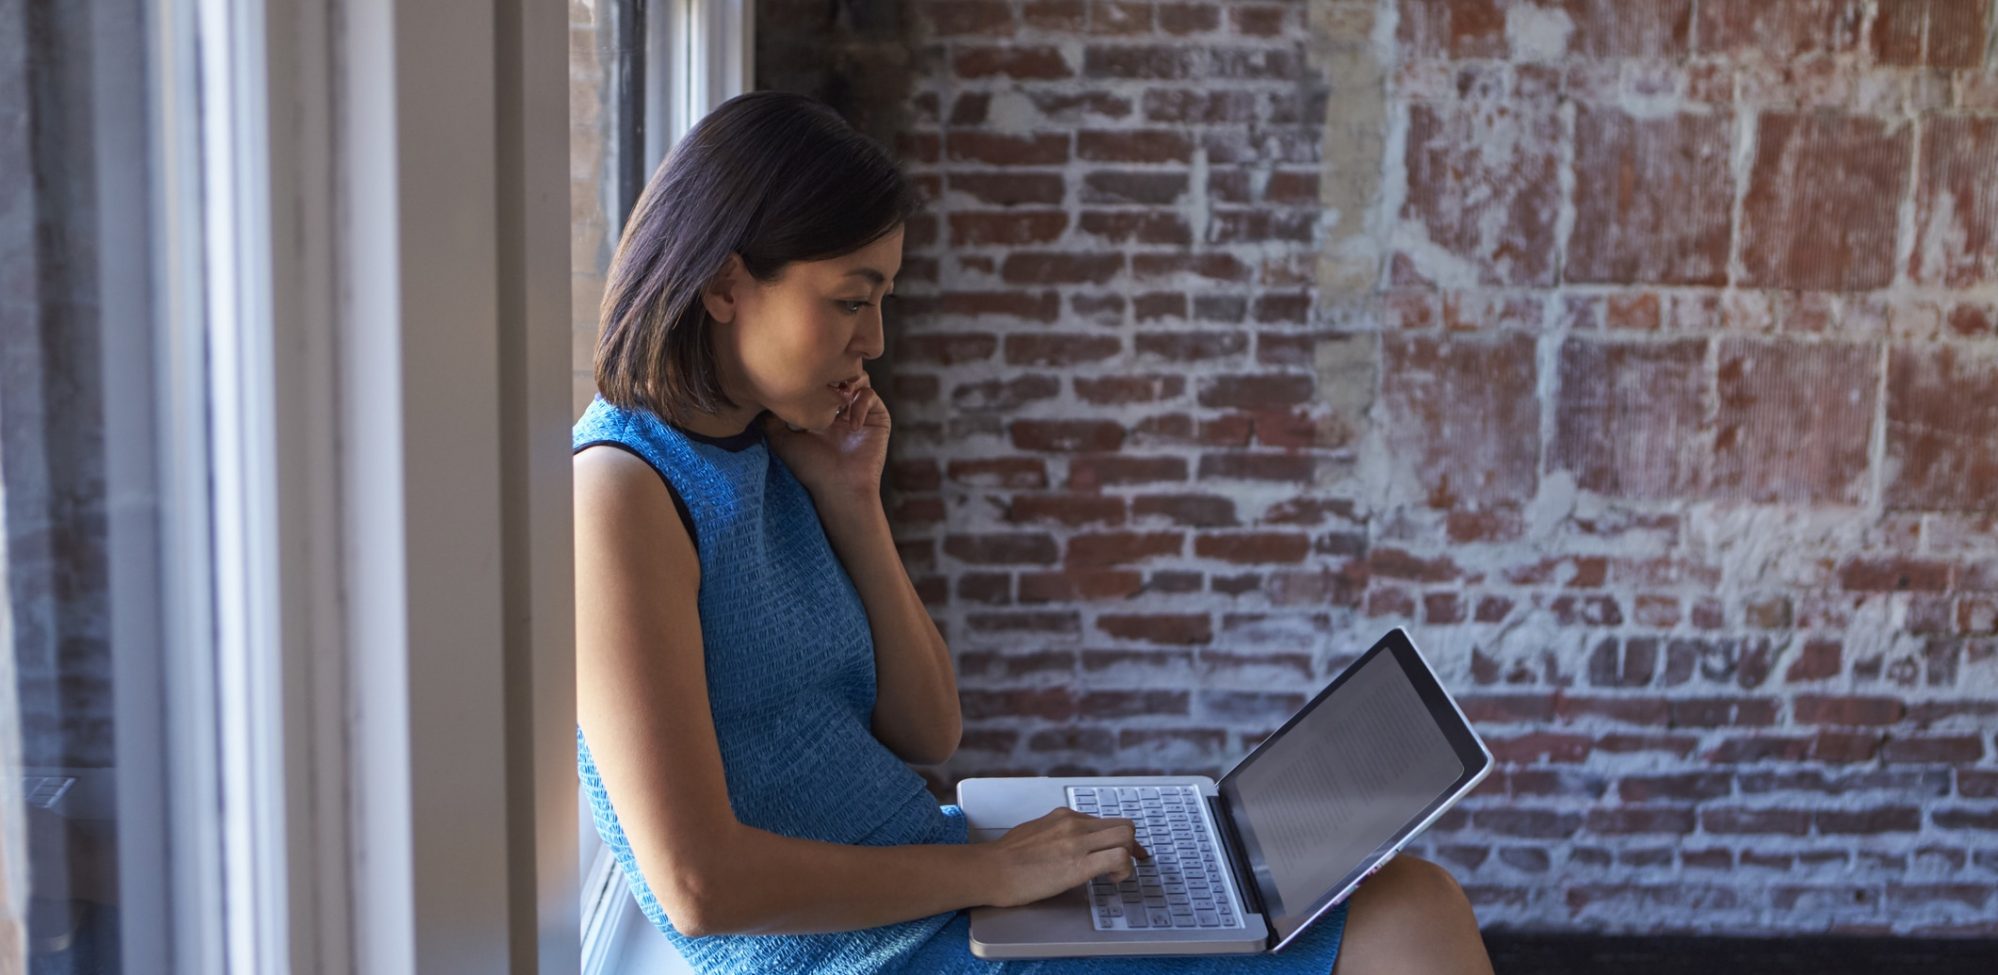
1181 886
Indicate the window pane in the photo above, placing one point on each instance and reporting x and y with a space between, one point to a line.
606 164
72 273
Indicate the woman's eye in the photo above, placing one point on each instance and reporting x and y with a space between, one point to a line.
852 307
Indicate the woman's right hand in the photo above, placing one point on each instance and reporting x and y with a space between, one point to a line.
1061 850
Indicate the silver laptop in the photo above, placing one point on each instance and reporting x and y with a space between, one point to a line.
1246 865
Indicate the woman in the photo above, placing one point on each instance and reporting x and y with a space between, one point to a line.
756 671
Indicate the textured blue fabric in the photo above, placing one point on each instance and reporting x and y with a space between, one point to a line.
790 672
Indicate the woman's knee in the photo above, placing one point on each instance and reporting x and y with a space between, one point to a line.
1414 884
1409 914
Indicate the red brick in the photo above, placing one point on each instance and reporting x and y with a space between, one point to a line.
1620 29
1253 548
1536 823
1065 509
1847 711
1629 416
1000 549
1071 585
1116 17
1893 574
1060 349
1882 819
1957 32
1118 186
1456 29
1653 198
975 18
1038 306
1720 820
1676 820
1779 31
1124 227
1939 33
1119 548
1113 390
1156 305
1011 61
1540 746
1007 472
1246 466
1055 15
972 229
1898 30
1956 203
1043 622
1942 429
1024 267
1008 150
1818 660
1684 785
1051 703
1932 749
1067 436
1139 60
1259 19
1822 202
1192 346
1627 663
1984 818
1133 704
1255 63
1265 391
1138 145
1761 452
1208 267
1723 712
1464 417
1196 510
1069 107
1004 395
1483 186
946 348
1092 472
1169 628
1188 18
1198 107
1390 601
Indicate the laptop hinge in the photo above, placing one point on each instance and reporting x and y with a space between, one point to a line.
1238 855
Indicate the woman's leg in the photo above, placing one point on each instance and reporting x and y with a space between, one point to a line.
1411 917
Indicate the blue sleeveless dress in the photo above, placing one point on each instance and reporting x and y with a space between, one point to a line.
790 673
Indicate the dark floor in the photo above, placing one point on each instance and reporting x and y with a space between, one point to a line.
1552 954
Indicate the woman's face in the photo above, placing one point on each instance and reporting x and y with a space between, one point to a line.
795 346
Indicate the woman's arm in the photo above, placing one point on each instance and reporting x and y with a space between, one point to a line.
643 706
916 711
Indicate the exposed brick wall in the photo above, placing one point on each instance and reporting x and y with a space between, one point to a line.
1641 357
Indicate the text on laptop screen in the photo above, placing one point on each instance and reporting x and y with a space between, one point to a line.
1338 786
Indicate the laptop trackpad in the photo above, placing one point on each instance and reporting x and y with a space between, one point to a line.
997 805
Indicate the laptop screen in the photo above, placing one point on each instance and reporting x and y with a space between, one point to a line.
1364 762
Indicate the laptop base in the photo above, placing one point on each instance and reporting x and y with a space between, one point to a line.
1062 926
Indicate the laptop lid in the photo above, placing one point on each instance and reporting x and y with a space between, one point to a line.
1367 763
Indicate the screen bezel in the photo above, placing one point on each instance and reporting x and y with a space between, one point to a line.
1457 730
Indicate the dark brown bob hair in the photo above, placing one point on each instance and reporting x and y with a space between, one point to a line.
773 177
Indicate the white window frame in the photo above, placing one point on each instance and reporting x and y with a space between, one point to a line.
698 54
364 705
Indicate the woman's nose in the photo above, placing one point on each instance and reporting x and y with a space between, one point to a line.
870 340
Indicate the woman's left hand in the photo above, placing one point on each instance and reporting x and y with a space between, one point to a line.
841 464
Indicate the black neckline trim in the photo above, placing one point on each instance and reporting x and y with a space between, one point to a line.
735 442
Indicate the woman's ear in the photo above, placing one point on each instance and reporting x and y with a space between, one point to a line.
719 296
